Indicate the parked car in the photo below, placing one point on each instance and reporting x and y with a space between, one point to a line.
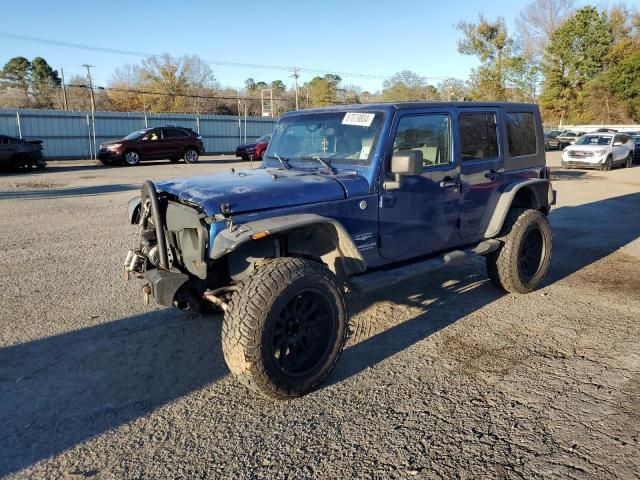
567 138
551 142
357 197
606 130
554 133
253 150
173 143
600 150
20 153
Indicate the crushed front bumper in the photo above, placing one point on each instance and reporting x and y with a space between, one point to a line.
163 285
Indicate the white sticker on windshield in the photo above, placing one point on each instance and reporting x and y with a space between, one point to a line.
358 119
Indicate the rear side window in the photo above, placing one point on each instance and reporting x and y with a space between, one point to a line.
521 134
174 133
478 136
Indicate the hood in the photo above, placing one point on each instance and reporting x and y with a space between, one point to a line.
259 189
585 148
113 142
246 145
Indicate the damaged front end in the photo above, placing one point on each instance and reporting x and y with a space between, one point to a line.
169 250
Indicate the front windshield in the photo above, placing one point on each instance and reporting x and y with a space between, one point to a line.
336 137
134 135
594 140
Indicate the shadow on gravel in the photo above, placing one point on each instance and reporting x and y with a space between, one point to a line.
583 235
60 391
558 175
441 305
586 233
39 193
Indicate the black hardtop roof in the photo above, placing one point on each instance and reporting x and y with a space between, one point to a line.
415 105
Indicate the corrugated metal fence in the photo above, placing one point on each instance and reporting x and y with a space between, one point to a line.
67 134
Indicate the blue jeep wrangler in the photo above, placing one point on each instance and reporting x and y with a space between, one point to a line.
347 198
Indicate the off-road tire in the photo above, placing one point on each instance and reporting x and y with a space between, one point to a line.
504 265
249 326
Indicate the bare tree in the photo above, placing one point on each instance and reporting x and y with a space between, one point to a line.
537 21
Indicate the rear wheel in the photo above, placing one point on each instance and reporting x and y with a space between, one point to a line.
285 328
132 158
523 260
191 155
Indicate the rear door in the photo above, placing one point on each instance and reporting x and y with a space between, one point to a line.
420 217
620 148
174 141
481 166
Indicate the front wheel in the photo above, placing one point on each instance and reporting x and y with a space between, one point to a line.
523 260
285 328
629 161
132 158
607 165
191 155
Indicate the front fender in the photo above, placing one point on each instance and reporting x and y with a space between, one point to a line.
541 194
321 236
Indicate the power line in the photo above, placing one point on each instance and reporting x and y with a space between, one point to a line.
116 51
192 95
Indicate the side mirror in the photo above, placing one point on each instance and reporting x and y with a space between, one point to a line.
404 162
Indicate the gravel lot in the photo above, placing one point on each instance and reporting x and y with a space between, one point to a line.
443 377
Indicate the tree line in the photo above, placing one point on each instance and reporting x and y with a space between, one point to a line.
580 65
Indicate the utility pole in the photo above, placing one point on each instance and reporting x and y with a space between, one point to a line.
93 111
64 91
93 100
295 76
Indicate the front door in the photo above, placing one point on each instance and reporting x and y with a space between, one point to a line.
421 216
151 145
481 167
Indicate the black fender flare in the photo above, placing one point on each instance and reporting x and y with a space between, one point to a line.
542 196
334 245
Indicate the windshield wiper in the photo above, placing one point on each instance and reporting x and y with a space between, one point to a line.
325 163
283 161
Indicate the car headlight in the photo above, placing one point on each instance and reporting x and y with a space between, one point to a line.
597 153
115 145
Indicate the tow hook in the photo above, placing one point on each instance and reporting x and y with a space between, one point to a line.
146 293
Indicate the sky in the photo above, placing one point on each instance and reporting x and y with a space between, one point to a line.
364 37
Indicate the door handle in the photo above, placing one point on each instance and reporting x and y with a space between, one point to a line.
448 182
492 174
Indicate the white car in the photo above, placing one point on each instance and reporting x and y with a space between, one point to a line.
600 150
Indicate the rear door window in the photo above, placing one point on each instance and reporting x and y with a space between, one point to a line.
174 133
478 136
521 134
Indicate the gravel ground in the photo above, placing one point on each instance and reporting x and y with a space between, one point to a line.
443 376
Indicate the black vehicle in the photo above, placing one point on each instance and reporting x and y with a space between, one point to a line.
20 153
173 143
